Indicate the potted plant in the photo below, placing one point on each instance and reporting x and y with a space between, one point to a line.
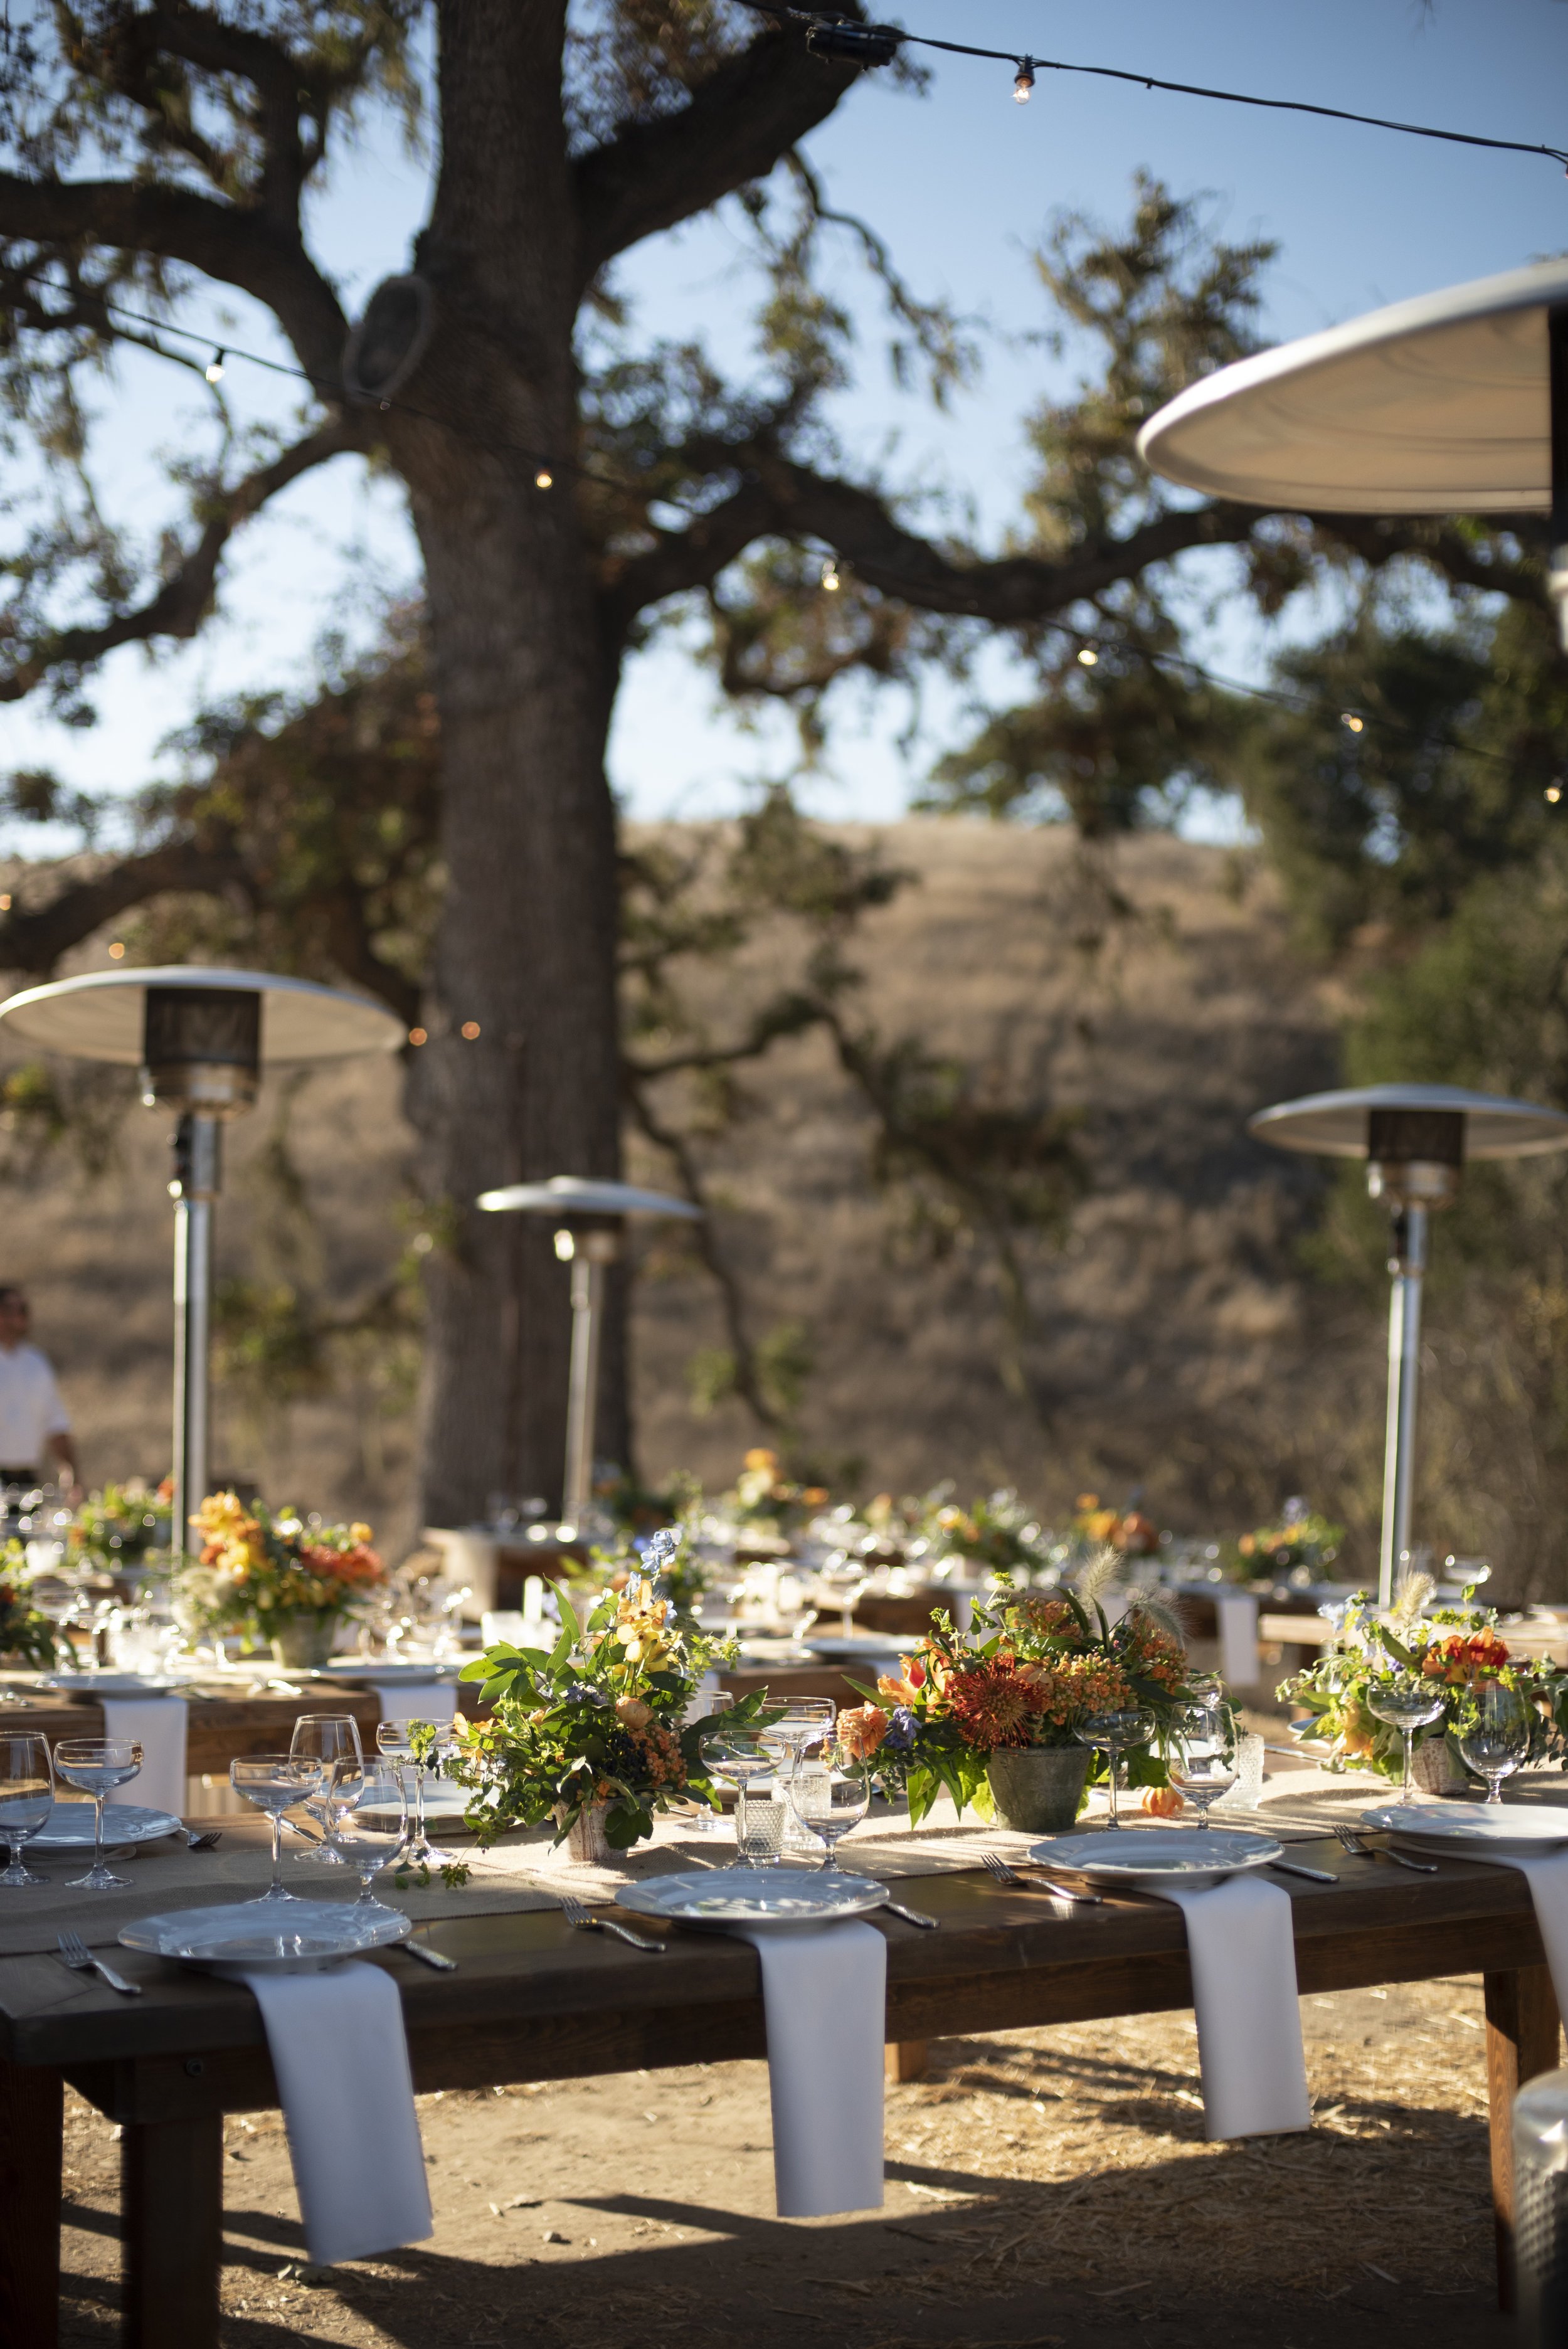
593 1732
276 1577
991 1714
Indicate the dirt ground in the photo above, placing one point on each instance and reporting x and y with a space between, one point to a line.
1045 2188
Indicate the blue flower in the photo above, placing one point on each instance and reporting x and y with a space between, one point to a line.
901 1731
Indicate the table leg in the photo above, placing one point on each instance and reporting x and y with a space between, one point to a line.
1522 2035
32 2135
906 2059
173 2201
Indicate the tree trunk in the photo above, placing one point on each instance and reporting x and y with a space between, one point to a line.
526 949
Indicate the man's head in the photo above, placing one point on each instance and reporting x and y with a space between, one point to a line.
16 1315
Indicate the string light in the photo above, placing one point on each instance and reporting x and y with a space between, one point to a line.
418 1036
213 370
470 1030
1089 656
1024 80
544 481
1554 793
828 37
1357 725
832 582
117 951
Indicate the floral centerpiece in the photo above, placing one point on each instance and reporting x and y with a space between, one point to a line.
997 1533
592 1732
276 1577
1302 1538
1457 1649
765 1501
1021 1681
668 1557
1127 1530
123 1528
26 1636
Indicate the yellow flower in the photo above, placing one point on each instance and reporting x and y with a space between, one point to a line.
631 1714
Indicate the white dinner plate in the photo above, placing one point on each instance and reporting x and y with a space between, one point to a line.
753 1896
859 1645
1152 1857
118 1683
69 1826
355 1667
274 1937
1501 1827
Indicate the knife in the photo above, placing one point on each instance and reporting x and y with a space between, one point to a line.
1294 1868
429 1957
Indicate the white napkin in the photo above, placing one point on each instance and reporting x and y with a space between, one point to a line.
1239 1661
434 1700
1243 1955
341 2058
158 1725
824 1994
1547 1878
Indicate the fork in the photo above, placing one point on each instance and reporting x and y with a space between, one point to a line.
577 1916
995 1866
208 1842
74 1953
1359 1849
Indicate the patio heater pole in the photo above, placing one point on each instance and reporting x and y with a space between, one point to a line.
1408 1263
198 1170
588 1252
1557 558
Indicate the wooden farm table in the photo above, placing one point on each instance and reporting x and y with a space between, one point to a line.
221 1727
533 2001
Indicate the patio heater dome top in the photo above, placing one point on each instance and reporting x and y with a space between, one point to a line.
1338 1124
102 1014
569 1194
1437 405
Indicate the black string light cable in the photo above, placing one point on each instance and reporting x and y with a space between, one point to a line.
850 43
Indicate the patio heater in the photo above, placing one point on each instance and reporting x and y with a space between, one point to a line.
1456 403
1414 1140
202 1039
590 1224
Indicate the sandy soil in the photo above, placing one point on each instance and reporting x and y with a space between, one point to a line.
1045 2188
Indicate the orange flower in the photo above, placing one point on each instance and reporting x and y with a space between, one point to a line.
896 1692
631 1713
1162 1801
860 1730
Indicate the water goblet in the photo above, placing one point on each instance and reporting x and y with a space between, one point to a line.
1498 1740
1409 1701
397 1738
327 1738
1114 1733
742 1760
806 1722
275 1782
828 1803
96 1766
26 1798
371 1823
1200 1757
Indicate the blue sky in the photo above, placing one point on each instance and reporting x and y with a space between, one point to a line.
962 182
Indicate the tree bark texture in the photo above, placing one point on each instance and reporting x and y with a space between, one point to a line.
527 945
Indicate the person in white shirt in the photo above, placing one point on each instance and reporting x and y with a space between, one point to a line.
34 1421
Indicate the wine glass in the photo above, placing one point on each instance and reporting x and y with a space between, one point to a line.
1498 1740
396 1738
806 1721
1114 1733
26 1798
828 1803
370 1823
1201 1756
96 1766
327 1738
1409 1701
275 1782
740 1761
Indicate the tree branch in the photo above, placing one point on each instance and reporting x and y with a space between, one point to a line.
680 560
33 938
749 112
183 602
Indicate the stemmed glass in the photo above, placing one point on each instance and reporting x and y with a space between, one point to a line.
275 1782
828 1803
370 1825
1201 1756
97 1765
1409 1703
1114 1734
327 1738
395 1738
26 1798
806 1721
740 1761
1498 1740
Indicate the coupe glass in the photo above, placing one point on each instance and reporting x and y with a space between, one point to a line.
741 1762
828 1803
97 1765
395 1738
1409 1701
1498 1738
1114 1734
275 1782
26 1798
1201 1756
327 1738
370 1825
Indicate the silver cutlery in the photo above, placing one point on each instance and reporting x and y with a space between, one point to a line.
429 1957
1359 1849
997 1866
74 1953
1313 1875
208 1842
580 1918
910 1916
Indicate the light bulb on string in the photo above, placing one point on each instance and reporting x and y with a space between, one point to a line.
1555 792
1024 81
213 370
544 481
832 582
1089 656
1348 718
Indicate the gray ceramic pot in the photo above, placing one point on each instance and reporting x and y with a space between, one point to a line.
1037 1788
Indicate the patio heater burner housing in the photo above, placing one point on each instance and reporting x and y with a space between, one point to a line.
201 1049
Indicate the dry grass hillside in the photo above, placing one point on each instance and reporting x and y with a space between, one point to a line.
1176 1343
